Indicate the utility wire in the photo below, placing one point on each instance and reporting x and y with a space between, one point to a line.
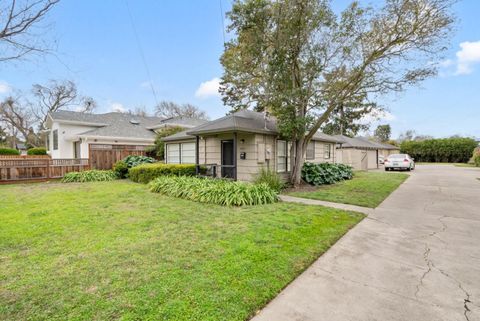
222 20
140 49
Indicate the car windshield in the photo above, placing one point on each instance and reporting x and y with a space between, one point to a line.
397 156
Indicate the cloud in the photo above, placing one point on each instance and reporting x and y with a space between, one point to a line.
208 88
117 107
145 85
467 56
378 116
5 88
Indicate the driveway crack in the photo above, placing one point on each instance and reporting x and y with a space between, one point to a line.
429 269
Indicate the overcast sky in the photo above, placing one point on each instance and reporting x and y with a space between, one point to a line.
182 42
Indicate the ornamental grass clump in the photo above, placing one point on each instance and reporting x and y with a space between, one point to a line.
214 191
325 173
89 176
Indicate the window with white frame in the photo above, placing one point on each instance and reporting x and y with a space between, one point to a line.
173 153
327 150
282 156
311 150
182 153
187 155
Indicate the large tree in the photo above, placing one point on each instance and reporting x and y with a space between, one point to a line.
20 27
169 109
383 133
300 61
57 95
348 118
17 117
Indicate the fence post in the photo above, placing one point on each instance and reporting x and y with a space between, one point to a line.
48 169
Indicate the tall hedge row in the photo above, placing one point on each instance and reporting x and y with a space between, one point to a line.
449 150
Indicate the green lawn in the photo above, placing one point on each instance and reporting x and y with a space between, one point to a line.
367 189
113 250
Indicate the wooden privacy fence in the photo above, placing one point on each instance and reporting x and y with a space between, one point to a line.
25 169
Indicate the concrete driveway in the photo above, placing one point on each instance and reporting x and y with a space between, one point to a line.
416 257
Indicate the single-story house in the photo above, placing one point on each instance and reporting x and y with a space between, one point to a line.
361 153
240 144
104 138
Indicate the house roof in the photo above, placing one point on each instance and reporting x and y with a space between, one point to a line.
185 122
362 142
121 125
244 121
179 136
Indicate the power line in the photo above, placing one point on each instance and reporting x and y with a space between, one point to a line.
223 24
140 49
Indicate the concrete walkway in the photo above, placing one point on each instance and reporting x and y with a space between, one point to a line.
347 207
415 257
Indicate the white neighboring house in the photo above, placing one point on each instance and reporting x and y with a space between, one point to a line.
104 138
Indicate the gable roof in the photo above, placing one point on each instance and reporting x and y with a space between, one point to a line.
362 142
244 121
120 125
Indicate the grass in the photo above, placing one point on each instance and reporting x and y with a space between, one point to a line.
367 189
114 250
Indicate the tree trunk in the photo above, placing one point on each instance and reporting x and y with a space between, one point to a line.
299 159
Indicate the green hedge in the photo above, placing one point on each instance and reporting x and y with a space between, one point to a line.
9 151
476 157
448 150
37 151
147 172
325 173
89 176
214 191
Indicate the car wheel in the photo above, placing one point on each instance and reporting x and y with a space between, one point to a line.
409 169
386 169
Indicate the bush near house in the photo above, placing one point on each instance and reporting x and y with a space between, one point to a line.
37 151
121 167
134 160
325 173
147 172
269 177
89 176
447 150
9 151
214 191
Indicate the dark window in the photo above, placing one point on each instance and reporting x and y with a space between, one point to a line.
282 156
311 150
55 139
326 153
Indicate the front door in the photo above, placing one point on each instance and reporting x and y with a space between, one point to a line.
227 159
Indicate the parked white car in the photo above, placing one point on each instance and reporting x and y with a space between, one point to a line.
381 159
399 161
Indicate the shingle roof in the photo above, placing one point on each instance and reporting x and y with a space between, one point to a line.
245 121
178 136
362 142
186 122
121 124
349 142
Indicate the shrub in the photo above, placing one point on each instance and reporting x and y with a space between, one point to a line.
121 169
476 157
147 172
89 176
269 177
9 151
450 150
159 147
325 173
134 160
37 151
214 191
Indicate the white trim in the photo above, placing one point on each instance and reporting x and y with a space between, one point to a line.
146 140
74 122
